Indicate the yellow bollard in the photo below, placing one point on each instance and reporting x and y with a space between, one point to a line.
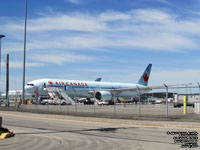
184 105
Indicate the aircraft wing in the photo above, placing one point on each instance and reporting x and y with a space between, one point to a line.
117 91
148 88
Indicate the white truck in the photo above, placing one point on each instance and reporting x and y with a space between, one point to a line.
191 99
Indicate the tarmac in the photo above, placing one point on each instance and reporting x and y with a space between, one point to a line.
50 131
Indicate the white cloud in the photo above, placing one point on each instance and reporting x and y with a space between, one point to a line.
114 16
19 65
74 1
77 22
160 41
140 28
173 77
146 29
96 70
166 2
152 16
61 58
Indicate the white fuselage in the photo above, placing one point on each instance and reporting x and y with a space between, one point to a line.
77 88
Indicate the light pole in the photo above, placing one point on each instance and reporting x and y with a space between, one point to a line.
7 81
114 104
23 95
94 99
114 101
1 36
190 84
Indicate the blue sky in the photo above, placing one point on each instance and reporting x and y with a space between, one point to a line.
112 39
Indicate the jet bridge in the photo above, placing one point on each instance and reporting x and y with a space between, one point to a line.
56 92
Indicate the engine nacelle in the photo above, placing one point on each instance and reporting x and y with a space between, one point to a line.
103 95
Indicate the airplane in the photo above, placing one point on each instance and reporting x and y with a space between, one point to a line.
15 94
12 93
91 89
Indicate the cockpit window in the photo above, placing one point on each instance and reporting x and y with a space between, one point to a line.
30 84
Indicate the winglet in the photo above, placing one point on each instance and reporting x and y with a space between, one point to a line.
98 80
145 76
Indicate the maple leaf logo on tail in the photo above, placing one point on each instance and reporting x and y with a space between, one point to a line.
145 77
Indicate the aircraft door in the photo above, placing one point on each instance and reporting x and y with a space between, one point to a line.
45 86
66 88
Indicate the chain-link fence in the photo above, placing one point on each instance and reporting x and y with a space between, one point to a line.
147 106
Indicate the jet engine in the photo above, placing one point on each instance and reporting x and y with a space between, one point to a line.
103 95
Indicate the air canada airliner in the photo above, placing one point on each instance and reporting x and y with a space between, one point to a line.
90 89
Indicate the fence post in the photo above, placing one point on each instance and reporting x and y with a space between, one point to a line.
94 100
114 104
166 99
139 100
184 105
74 99
199 98
60 100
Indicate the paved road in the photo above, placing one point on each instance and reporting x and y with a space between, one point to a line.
50 132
